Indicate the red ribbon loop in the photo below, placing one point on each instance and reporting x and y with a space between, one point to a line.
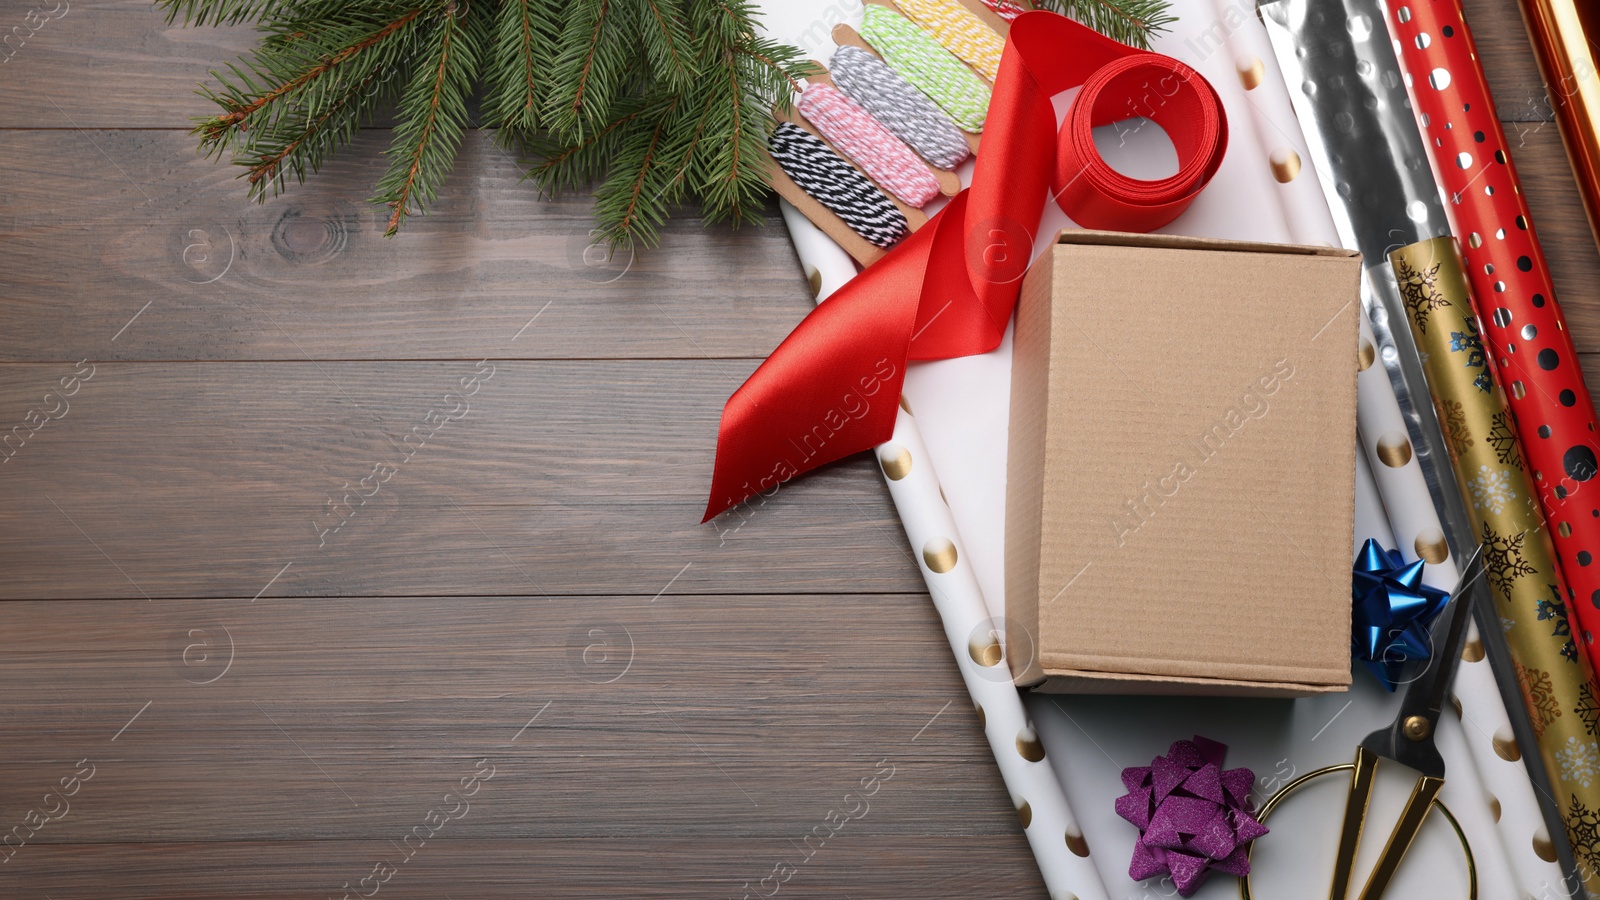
831 388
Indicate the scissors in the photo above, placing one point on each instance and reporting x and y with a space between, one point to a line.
1409 741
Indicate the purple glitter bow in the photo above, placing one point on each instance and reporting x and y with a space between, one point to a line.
1192 816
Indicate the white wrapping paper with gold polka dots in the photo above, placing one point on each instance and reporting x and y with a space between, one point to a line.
1053 832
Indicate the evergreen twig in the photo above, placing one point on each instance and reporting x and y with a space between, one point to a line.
1133 22
657 102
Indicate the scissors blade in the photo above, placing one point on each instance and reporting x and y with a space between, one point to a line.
1409 739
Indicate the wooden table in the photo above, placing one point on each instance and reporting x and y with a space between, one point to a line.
280 686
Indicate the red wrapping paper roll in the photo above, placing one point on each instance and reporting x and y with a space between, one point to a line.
1525 334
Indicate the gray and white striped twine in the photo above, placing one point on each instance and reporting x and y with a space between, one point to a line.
906 112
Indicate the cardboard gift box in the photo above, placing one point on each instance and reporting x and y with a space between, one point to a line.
1181 468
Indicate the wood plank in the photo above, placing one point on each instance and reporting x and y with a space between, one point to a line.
1508 62
308 275
109 64
599 716
202 480
117 64
1563 230
88 245
859 866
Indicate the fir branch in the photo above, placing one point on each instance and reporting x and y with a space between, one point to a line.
523 50
299 70
569 166
220 12
666 42
654 101
592 61
433 113
306 144
632 202
1133 22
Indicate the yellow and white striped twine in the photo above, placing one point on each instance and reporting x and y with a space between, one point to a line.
960 31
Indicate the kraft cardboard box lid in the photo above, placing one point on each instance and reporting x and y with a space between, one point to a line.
1180 486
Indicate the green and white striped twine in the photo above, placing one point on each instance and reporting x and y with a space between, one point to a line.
929 67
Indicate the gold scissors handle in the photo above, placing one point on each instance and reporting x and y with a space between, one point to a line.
1400 838
1405 830
1424 795
1355 818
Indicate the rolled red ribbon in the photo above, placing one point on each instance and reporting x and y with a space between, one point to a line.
950 288
1524 332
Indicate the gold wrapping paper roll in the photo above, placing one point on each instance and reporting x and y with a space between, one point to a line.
1558 687
1565 34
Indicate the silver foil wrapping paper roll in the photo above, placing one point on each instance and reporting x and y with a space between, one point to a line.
1349 93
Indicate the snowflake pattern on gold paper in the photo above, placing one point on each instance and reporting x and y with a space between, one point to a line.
1504 440
1583 830
1453 422
1470 342
1579 761
1491 490
1538 693
1503 561
1419 288
1588 710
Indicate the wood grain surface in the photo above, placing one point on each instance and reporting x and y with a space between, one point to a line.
270 595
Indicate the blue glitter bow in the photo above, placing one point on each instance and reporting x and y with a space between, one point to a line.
1393 611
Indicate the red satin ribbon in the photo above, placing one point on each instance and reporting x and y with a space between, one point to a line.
830 389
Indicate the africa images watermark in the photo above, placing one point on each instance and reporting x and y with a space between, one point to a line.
855 806
32 23
853 405
1158 489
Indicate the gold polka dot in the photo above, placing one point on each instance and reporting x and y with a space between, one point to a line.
1365 354
906 405
1431 546
940 554
1028 744
1473 651
1475 240
1494 807
1394 449
1075 841
1543 847
985 650
983 720
1456 705
896 461
1505 746
1564 529
1518 390
1251 71
1285 164
814 278
1025 814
